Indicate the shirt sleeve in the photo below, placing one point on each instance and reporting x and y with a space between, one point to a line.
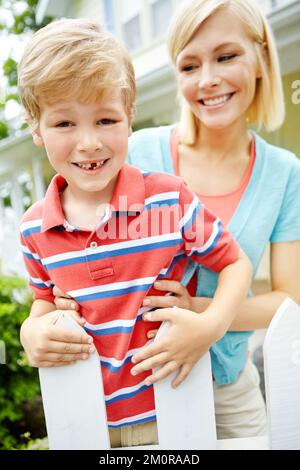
206 240
287 226
39 281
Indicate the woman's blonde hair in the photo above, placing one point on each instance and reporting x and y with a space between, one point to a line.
267 108
74 58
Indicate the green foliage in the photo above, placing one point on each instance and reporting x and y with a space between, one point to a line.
3 130
20 381
23 23
10 71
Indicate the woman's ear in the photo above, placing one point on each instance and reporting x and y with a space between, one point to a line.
265 58
37 138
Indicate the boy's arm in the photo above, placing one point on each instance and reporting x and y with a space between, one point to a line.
45 344
191 335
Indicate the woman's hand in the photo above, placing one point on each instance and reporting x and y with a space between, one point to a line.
178 297
188 339
48 345
63 301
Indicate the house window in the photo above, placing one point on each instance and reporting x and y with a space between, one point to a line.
131 24
109 15
161 11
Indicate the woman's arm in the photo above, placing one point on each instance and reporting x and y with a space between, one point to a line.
257 311
254 312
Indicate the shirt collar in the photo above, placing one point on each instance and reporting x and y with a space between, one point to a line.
128 198
129 192
53 215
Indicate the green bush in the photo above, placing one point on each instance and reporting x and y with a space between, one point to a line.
20 404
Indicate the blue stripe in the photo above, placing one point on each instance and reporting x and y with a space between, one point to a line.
128 395
134 249
66 262
110 331
112 293
212 246
113 253
113 330
191 221
157 204
31 230
40 285
138 421
115 369
30 256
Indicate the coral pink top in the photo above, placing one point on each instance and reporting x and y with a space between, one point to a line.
222 205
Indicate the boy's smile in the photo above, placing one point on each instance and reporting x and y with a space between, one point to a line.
86 143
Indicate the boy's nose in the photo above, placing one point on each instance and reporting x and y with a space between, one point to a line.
89 143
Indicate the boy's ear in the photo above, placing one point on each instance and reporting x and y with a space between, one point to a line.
37 139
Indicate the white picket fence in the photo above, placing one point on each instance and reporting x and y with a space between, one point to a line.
75 409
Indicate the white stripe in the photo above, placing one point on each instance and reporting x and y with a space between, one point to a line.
36 280
123 391
113 286
211 239
109 324
119 362
30 224
64 256
189 213
130 419
115 246
133 243
114 323
25 249
162 197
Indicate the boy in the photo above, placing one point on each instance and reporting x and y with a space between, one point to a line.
104 231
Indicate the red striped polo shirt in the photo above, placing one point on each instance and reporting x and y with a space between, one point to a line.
151 227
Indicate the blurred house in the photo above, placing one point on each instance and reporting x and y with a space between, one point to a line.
142 25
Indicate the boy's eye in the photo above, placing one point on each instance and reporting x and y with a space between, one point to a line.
107 122
64 124
226 57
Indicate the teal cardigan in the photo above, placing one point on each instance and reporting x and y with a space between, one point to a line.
269 211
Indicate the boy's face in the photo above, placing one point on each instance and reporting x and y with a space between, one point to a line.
85 143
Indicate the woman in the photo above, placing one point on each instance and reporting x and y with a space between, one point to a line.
228 77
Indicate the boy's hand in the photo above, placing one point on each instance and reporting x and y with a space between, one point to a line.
188 339
63 301
48 345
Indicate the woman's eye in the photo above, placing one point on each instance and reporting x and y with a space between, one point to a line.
226 57
187 68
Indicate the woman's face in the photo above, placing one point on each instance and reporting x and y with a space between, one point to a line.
217 71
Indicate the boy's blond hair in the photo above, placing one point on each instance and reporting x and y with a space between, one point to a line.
74 58
267 108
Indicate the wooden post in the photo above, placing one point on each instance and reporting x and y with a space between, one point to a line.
73 400
282 377
75 413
